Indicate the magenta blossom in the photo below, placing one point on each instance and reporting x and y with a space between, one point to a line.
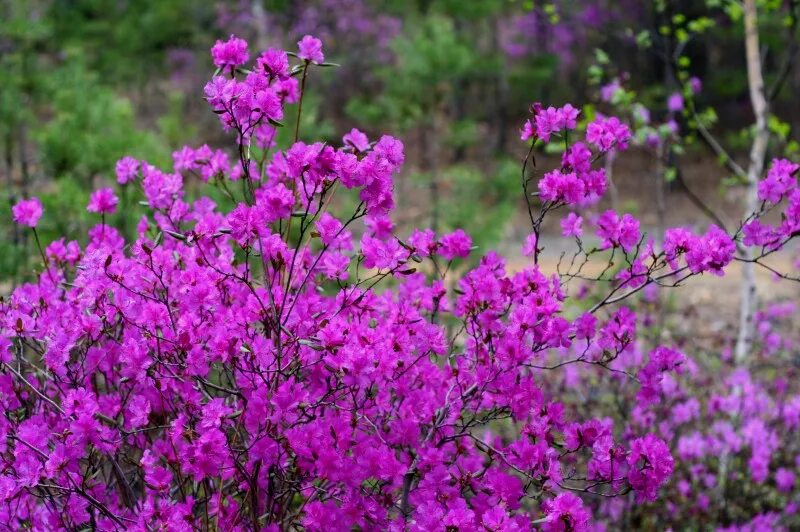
230 54
310 49
650 466
27 212
675 102
126 169
280 358
607 133
572 225
618 231
103 201
455 244
566 513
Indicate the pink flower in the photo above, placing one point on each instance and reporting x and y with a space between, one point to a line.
102 201
357 140
572 225
615 231
27 212
609 91
310 49
608 133
230 350
138 412
274 63
577 158
569 116
423 241
528 130
380 226
231 53
455 244
328 228
662 359
650 466
780 181
712 252
565 513
585 326
784 479
381 254
548 121
560 187
126 169
677 241
675 102
529 247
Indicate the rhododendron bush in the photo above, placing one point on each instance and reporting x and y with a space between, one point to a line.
283 358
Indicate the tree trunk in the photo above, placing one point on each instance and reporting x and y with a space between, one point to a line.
758 151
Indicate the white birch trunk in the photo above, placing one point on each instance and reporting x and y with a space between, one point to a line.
758 151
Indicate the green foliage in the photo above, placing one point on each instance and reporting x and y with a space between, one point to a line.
480 202
91 126
84 82
66 114
429 60
125 42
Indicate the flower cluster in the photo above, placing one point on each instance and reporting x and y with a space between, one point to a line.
27 212
779 186
103 201
273 362
618 231
607 133
576 183
253 107
710 252
230 54
546 122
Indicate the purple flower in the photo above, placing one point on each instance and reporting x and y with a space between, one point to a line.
675 102
455 244
784 479
557 186
650 465
529 247
565 513
381 254
528 130
608 133
274 63
712 252
310 49
423 241
102 201
27 212
357 140
615 231
662 359
695 84
572 225
585 326
126 169
607 92
230 54
780 181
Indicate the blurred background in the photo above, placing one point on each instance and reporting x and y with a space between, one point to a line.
85 82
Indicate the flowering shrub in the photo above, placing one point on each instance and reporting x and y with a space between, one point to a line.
729 427
277 363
